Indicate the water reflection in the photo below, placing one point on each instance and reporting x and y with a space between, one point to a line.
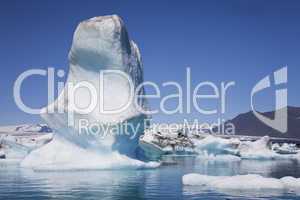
89 184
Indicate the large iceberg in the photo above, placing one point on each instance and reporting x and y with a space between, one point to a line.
99 43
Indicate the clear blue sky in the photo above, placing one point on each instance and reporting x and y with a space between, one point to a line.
220 40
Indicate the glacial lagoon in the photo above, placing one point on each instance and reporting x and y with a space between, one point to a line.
164 182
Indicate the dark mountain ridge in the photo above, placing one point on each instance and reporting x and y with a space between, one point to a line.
248 124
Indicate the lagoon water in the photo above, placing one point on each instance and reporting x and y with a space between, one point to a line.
164 182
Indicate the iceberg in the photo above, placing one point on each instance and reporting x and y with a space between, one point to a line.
216 146
262 149
18 141
285 148
157 143
99 44
259 149
249 182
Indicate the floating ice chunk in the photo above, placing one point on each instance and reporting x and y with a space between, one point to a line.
242 182
257 150
261 150
248 182
216 145
291 182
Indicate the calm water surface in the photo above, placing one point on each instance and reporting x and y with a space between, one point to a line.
162 183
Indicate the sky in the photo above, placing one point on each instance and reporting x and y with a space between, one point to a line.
220 41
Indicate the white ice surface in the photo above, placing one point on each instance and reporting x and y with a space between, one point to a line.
215 145
100 43
242 182
212 146
19 146
257 150
73 157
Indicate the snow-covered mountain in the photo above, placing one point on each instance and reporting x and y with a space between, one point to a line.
25 128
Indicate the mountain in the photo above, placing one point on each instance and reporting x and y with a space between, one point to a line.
248 124
25 128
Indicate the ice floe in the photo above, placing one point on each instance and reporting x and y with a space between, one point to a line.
248 182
